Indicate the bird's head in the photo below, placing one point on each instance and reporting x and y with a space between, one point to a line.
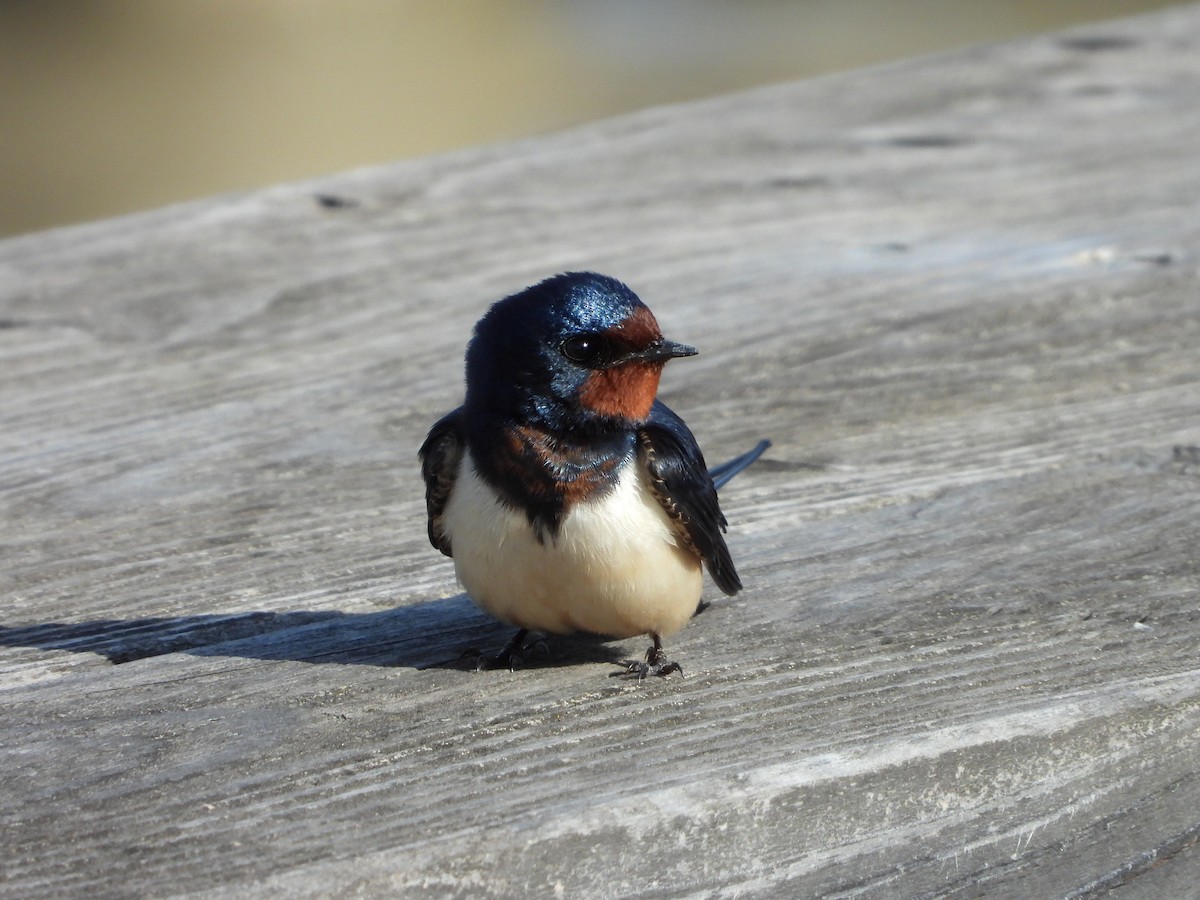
578 350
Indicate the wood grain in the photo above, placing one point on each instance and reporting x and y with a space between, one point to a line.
959 294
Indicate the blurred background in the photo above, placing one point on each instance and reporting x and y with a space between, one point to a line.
111 106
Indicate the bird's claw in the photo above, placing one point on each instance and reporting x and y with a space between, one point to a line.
656 663
511 655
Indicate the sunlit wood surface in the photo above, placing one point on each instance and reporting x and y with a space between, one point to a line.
961 297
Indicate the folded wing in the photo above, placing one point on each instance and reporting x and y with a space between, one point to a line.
681 483
440 457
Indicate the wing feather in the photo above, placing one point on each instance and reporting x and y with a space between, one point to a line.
440 457
681 483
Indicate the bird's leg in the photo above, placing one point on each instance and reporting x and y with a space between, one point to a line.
511 654
656 662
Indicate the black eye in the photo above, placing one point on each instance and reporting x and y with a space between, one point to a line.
591 350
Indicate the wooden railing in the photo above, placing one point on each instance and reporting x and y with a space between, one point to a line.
959 294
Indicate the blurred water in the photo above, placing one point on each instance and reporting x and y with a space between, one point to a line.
110 106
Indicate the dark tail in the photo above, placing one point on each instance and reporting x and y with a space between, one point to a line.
724 473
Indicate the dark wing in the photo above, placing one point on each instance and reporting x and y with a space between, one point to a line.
683 486
440 455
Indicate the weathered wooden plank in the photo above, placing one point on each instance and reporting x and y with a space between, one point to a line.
959 294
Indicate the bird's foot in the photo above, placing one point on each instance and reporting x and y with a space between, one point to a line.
512 654
656 663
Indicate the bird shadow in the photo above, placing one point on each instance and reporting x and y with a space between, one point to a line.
448 633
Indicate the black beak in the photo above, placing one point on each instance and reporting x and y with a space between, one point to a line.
664 350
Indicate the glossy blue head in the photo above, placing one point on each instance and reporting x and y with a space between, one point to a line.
576 351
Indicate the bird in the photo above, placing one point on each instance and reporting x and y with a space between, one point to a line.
570 498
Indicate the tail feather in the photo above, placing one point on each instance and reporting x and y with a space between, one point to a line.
725 472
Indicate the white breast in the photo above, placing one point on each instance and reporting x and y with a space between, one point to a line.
616 568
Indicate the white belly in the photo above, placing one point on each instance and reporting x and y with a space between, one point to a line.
615 569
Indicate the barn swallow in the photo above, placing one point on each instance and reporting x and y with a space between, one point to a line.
568 496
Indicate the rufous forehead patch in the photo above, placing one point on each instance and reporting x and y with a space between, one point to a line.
639 328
